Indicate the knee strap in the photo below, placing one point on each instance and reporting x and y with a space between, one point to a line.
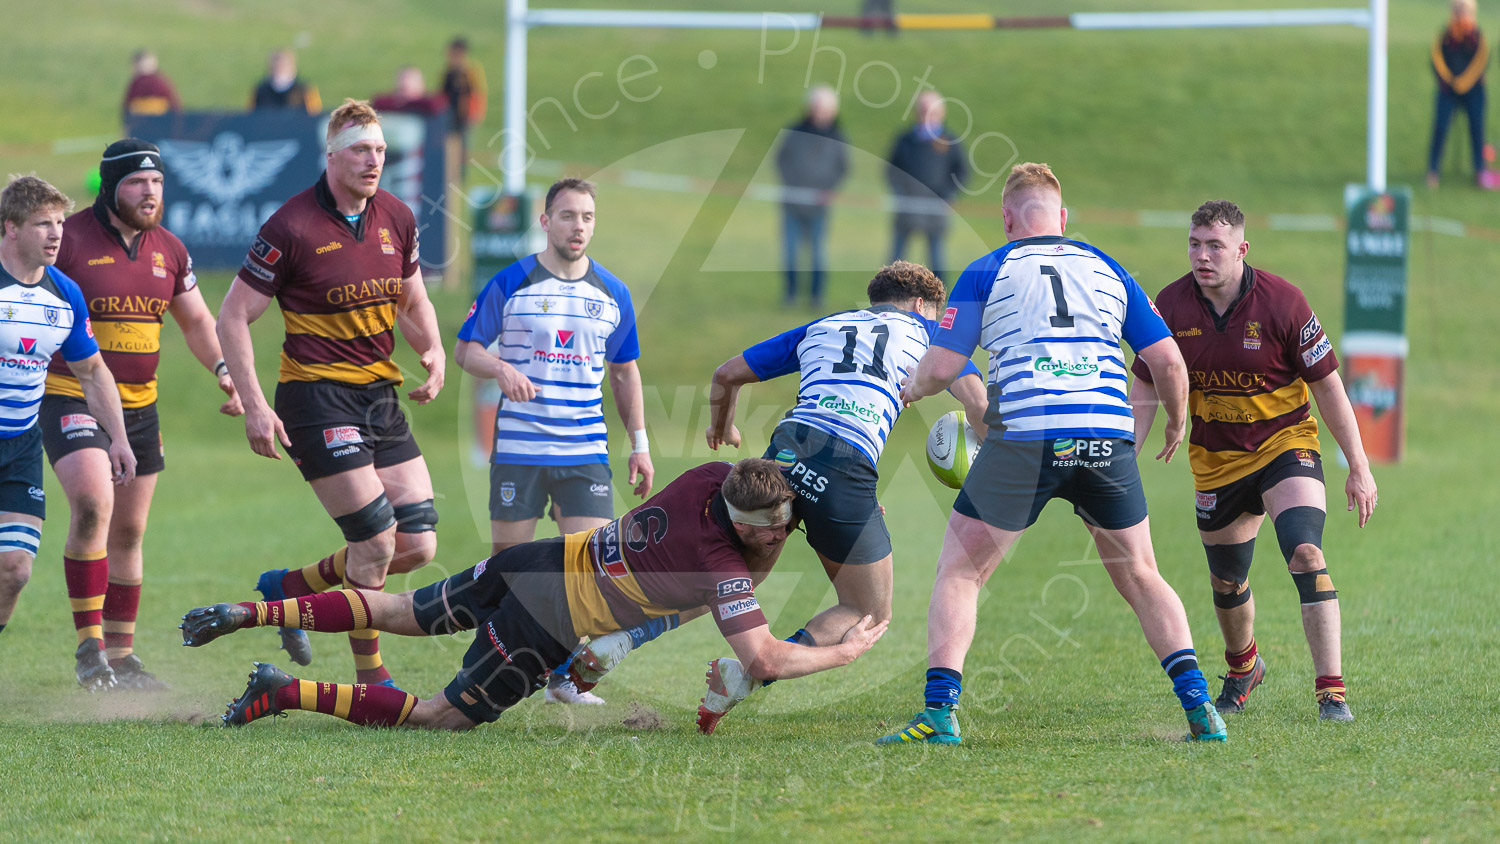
368 521
419 517
1231 563
1299 526
20 536
1314 587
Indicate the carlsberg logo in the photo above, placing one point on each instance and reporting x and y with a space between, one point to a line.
1057 366
845 407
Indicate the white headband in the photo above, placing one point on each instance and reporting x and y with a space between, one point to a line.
351 135
769 517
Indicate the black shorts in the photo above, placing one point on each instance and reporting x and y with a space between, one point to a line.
518 493
518 603
21 474
1218 508
835 486
1010 482
337 427
68 425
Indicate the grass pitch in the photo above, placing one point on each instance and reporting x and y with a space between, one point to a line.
1070 728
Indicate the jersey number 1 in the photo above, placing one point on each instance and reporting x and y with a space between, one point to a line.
1062 319
875 369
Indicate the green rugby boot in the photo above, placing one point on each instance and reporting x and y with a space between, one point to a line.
933 726
1204 724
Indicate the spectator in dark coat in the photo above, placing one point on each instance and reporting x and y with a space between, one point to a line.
927 167
283 88
813 160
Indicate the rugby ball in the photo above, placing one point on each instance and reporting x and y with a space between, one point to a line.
951 446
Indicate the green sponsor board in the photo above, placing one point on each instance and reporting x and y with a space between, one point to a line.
503 232
1377 245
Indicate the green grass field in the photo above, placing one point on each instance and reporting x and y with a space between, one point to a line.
1071 731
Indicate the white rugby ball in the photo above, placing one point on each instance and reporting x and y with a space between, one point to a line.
951 446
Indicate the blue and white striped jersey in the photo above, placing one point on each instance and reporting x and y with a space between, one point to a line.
852 365
1051 312
36 321
560 333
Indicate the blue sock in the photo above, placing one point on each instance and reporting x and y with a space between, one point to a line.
651 628
1187 680
944 685
801 637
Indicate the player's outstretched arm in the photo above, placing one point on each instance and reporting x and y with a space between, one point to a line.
625 386
198 329
103 398
243 305
970 392
936 370
723 395
418 323
769 658
1169 375
1338 415
1143 401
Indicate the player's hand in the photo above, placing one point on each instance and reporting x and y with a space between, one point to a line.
640 464
233 406
1176 433
263 429
1360 488
730 437
907 395
514 385
435 363
863 635
121 462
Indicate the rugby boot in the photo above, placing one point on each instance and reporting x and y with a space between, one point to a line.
202 625
293 641
259 699
131 675
1204 724
728 684
560 689
1237 687
92 669
1333 707
930 726
594 659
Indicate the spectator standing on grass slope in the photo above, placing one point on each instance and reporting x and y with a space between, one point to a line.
42 312
131 271
282 89
1254 349
1460 56
1052 313
561 322
813 160
410 95
926 169
150 92
464 88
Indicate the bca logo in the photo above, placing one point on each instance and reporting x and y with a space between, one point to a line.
565 340
734 586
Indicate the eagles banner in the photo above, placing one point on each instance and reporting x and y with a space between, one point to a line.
228 173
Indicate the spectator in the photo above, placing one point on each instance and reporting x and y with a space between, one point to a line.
410 95
1459 57
883 10
927 167
813 160
464 89
283 89
150 91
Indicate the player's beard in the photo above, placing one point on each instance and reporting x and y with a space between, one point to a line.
130 216
565 252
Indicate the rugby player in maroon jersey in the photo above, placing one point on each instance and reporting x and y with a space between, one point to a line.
705 540
1254 351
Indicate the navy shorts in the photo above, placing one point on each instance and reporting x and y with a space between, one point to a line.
68 425
835 486
21 474
518 492
517 601
1218 508
337 427
1010 482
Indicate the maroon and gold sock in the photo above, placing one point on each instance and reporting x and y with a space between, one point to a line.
122 601
1241 663
318 577
87 577
365 644
339 611
361 703
1330 686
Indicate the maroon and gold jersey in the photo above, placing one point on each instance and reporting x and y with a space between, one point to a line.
337 284
677 551
127 291
1247 373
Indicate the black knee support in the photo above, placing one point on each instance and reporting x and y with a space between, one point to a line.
368 521
416 518
1299 526
1314 587
1231 564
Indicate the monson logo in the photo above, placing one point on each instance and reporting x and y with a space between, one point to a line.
1058 366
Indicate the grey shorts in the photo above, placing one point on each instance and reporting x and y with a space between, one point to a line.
1010 482
518 493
